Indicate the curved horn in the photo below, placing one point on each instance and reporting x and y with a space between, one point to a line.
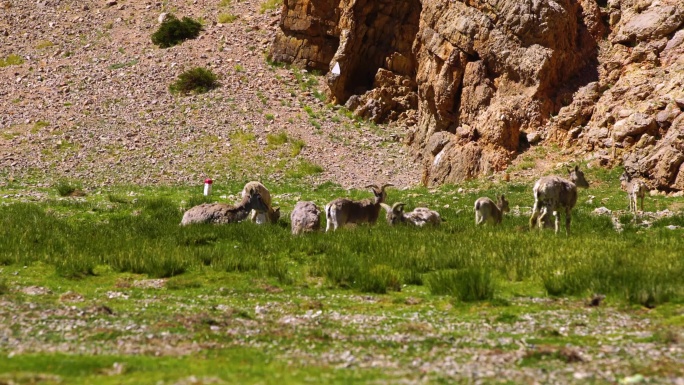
374 187
386 185
398 205
386 207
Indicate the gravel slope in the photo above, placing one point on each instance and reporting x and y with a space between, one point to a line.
91 102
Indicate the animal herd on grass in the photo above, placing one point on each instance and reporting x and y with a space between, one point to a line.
553 196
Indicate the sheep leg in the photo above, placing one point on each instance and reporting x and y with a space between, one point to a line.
541 222
478 218
556 215
568 219
331 218
535 215
642 203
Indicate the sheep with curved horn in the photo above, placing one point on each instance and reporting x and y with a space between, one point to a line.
420 216
343 211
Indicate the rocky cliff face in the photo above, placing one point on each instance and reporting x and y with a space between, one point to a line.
470 78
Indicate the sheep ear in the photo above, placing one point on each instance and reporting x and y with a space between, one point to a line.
503 197
576 168
386 207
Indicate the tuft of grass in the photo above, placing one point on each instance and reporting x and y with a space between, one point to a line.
225 3
11 60
68 188
473 283
270 5
37 126
118 199
242 137
44 44
302 169
4 287
173 31
297 146
227 18
197 80
129 63
277 139
181 283
379 279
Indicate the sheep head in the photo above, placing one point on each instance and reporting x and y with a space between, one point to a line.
395 213
577 177
380 194
254 202
502 203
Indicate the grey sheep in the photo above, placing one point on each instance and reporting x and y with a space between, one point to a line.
552 193
488 211
220 213
343 211
305 217
271 214
636 189
420 216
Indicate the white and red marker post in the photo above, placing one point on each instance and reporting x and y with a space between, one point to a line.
207 186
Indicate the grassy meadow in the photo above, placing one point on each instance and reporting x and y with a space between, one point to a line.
109 288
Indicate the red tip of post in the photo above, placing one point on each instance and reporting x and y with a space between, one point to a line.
208 181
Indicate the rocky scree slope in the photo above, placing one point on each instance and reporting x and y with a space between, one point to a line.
90 102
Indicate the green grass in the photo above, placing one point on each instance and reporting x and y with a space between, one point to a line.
227 18
129 63
270 5
66 187
242 137
254 304
297 146
44 44
303 168
277 139
11 60
235 365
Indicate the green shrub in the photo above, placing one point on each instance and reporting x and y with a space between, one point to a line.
197 80
67 188
173 31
